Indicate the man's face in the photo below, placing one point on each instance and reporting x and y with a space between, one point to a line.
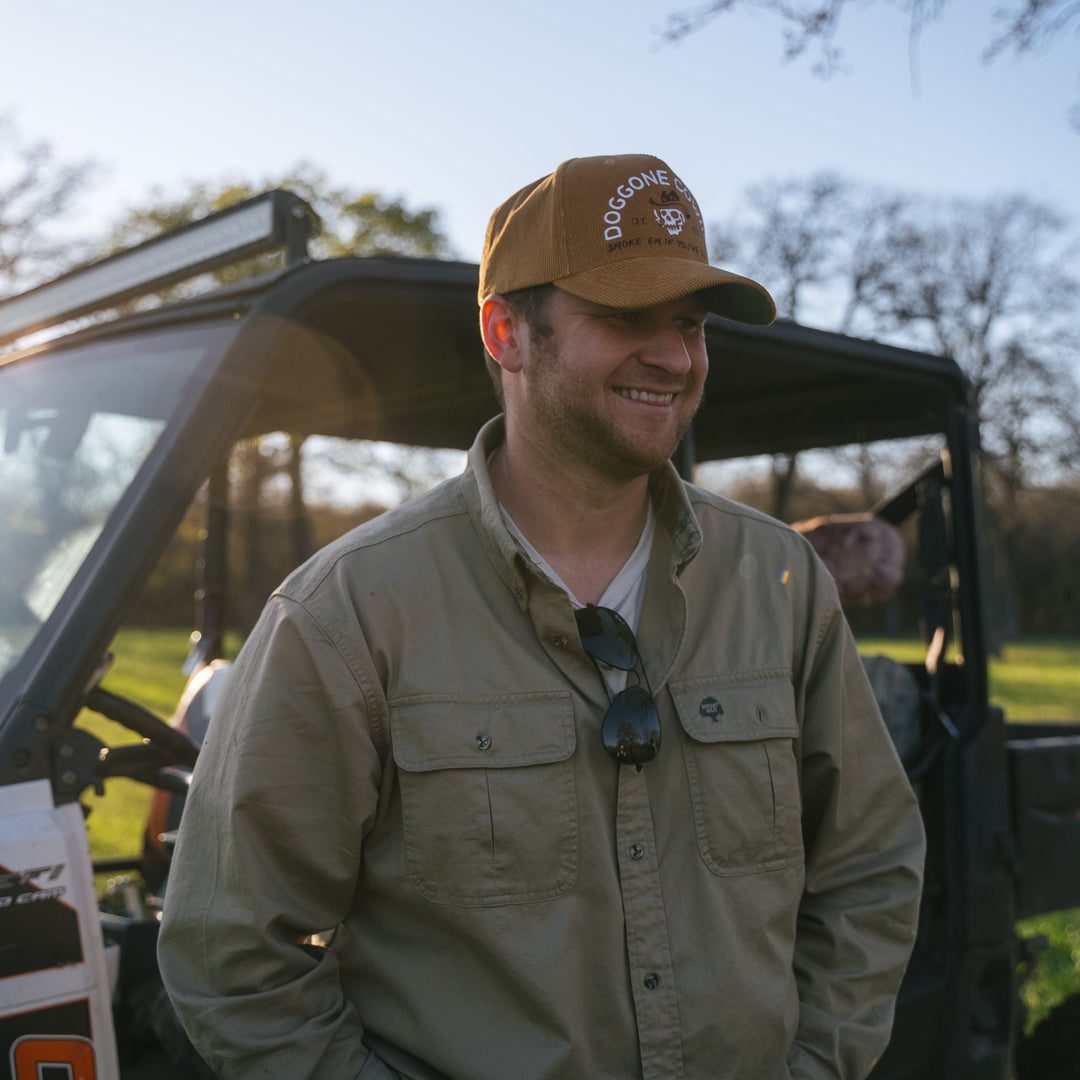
609 388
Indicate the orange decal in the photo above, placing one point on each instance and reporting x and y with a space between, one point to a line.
57 1057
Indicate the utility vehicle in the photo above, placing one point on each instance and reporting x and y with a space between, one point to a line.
110 430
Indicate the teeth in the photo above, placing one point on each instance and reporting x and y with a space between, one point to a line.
644 395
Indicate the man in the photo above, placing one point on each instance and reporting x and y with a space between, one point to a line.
578 763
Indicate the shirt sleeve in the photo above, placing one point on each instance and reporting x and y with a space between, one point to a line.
268 854
865 845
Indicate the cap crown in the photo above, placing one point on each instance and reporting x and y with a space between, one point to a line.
593 212
623 231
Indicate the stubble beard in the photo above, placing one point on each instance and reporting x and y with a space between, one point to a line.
581 433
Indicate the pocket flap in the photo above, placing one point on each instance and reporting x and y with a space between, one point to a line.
726 708
435 732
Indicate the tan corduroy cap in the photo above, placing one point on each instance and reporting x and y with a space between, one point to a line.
621 231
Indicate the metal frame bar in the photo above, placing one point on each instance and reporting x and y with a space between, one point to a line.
273 220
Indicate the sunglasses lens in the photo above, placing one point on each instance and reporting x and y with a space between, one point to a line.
606 637
631 728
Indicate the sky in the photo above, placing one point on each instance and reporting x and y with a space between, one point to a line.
457 105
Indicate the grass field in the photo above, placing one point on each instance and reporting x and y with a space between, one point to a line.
1032 680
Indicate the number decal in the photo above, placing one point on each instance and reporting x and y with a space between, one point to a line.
52 1057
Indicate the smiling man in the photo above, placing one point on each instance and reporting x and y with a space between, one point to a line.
577 762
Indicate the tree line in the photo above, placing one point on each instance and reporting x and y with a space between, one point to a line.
1036 592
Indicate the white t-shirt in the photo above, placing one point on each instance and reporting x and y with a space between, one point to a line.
625 594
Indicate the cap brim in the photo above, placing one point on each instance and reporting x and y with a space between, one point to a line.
641 283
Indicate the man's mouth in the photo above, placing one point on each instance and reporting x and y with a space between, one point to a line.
645 395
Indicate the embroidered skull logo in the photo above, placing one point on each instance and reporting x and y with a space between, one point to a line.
672 218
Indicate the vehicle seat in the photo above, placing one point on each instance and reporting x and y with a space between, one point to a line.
193 717
898 696
199 698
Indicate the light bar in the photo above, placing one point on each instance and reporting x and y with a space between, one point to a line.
272 220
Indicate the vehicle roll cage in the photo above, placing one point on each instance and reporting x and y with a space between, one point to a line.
405 330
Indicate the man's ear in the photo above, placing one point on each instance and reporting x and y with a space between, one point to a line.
501 330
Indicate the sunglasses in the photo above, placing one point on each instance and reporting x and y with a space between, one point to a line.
630 730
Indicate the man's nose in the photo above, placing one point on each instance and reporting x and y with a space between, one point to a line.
668 349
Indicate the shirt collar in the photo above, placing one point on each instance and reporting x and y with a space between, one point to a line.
670 502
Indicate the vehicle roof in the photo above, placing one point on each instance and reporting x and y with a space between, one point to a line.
389 348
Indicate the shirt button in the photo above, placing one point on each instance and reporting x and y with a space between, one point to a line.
559 641
483 742
636 852
652 981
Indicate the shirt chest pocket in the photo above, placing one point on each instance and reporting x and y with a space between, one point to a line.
742 771
488 797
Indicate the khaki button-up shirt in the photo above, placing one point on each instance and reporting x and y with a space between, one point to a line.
407 753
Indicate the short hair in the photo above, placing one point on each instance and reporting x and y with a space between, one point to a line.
529 304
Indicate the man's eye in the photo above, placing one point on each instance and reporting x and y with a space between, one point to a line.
692 327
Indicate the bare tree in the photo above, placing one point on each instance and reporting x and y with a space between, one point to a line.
1024 27
36 194
987 283
791 236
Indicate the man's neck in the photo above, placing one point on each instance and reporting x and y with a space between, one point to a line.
585 525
